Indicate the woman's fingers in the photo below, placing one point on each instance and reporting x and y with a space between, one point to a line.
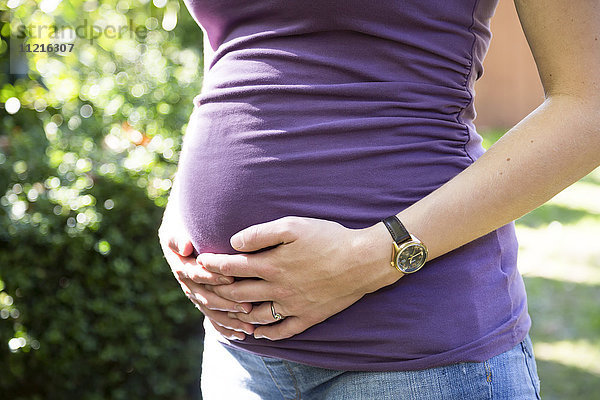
179 245
249 291
195 291
228 333
260 315
286 329
223 320
172 233
204 298
220 319
192 277
178 250
188 267
199 274
240 265
212 301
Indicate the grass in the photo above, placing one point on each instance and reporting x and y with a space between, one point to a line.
559 258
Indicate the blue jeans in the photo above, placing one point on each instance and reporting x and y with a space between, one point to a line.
229 373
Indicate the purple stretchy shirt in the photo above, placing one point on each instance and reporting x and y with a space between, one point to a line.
351 111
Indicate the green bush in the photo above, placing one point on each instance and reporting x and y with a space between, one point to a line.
99 312
88 306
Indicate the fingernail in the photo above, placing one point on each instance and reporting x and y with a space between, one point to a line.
240 308
224 280
236 242
258 336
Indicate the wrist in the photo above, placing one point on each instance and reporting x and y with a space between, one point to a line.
374 249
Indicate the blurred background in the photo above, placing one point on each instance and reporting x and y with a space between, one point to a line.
89 141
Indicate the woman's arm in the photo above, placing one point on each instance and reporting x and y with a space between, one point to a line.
553 147
322 268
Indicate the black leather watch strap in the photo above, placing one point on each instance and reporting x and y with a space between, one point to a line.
397 230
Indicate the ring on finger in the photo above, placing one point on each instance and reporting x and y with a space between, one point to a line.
276 315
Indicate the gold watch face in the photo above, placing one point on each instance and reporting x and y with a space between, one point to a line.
411 257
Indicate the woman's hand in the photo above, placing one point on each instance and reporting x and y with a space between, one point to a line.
194 280
317 269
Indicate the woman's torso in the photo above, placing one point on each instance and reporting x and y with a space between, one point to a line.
351 111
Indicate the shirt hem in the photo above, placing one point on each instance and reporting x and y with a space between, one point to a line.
477 351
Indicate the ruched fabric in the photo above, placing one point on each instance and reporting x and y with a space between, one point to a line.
351 111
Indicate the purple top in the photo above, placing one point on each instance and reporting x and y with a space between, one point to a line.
351 111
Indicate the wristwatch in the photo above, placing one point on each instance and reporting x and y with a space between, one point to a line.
409 254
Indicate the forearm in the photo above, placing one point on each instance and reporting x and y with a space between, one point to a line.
549 150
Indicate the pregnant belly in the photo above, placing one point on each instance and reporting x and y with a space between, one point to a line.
231 178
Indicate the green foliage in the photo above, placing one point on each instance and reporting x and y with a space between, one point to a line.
88 306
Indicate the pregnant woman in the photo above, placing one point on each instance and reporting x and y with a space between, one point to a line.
334 214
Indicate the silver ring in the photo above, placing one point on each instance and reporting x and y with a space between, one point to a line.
276 315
